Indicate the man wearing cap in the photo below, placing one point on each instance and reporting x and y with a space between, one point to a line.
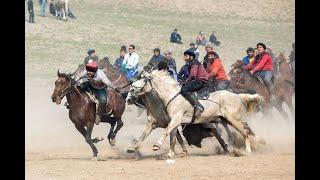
262 66
250 56
130 63
92 57
170 60
197 79
95 80
156 58
175 37
217 75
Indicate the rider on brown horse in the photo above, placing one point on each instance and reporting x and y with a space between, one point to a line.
262 66
96 81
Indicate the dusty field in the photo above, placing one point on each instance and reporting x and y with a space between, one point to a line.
55 150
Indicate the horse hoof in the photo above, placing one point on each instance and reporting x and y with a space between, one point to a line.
183 154
112 142
131 150
156 147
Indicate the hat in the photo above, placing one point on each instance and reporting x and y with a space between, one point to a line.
190 53
91 50
261 44
92 67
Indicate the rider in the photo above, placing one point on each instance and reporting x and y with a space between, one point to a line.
216 71
196 80
97 82
262 66
250 56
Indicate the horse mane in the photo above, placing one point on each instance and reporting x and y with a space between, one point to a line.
164 76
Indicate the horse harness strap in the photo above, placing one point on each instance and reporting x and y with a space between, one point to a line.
172 99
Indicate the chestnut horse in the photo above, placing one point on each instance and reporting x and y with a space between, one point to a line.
82 110
239 78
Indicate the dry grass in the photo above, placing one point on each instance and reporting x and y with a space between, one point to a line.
106 25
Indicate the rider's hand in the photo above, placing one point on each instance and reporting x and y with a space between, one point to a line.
251 72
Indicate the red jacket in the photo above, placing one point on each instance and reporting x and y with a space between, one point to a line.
216 70
197 71
259 64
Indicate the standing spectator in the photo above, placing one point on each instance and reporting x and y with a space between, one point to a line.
175 37
30 10
170 60
195 50
118 63
91 56
43 5
156 58
250 56
131 63
213 39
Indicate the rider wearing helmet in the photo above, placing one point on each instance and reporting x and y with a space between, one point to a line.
95 80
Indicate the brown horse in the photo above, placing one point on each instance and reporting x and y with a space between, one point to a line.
286 72
83 111
239 78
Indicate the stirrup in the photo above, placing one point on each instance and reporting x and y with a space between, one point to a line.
199 107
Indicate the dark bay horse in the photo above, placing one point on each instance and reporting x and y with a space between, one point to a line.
82 110
239 78
286 72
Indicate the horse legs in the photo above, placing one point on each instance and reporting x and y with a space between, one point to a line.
221 141
174 123
112 134
89 141
173 141
240 128
278 105
180 140
231 136
145 134
83 131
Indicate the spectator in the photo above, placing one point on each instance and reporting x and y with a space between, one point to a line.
43 5
169 60
250 56
30 10
156 58
130 63
213 39
200 39
195 50
118 62
175 37
91 56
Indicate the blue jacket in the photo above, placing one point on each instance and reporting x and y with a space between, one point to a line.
246 60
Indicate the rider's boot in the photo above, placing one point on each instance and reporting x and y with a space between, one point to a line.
102 111
198 108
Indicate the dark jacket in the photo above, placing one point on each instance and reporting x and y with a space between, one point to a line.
175 37
154 61
197 71
118 62
30 5
194 50
171 63
183 73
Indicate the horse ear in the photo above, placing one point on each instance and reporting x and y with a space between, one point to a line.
58 73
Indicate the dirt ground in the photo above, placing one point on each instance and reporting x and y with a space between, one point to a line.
55 150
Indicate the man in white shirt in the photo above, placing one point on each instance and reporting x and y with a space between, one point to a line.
130 63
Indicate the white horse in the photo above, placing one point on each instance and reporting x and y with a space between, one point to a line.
234 107
61 8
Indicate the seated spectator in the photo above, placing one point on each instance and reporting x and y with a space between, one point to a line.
170 60
175 37
213 39
156 58
118 62
195 50
91 56
200 39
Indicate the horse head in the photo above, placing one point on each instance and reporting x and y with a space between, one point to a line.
62 85
140 85
281 58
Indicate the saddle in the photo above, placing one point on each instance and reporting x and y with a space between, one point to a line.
203 93
95 100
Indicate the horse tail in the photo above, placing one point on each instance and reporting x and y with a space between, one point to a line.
251 101
243 91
